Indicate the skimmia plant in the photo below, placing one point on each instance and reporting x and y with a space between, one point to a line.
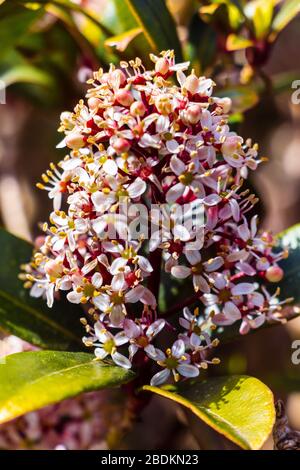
151 192
160 138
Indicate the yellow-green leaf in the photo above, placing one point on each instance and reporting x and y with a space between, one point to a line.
235 42
243 97
261 13
27 74
32 380
121 41
287 12
239 407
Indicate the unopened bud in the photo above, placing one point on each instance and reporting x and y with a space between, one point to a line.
138 108
39 241
191 84
274 274
104 78
117 77
124 97
93 103
162 66
65 116
225 104
74 140
193 113
121 145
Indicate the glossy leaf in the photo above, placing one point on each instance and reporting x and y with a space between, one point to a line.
261 13
239 407
290 284
235 42
121 41
29 318
27 74
243 97
157 23
223 13
32 380
14 23
287 12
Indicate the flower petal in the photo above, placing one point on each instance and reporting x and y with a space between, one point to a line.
160 378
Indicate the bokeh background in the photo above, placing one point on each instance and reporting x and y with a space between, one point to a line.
47 51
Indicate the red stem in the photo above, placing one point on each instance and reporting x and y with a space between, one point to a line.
181 305
154 279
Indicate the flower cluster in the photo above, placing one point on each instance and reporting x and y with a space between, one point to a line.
141 138
78 423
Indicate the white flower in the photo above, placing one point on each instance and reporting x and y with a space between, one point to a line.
107 346
175 361
140 336
201 271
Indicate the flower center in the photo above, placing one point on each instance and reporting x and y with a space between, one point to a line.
197 330
186 178
121 192
88 290
142 341
117 298
171 362
109 346
224 295
198 268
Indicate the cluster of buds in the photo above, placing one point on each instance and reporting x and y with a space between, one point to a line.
74 424
141 138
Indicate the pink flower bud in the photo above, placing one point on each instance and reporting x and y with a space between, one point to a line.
138 108
53 268
74 140
65 116
193 113
191 84
162 66
274 274
118 77
39 241
121 145
124 97
93 103
104 78
225 103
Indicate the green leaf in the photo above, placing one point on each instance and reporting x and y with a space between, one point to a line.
290 284
288 11
239 407
243 97
261 13
223 13
27 74
158 25
32 380
235 42
121 41
15 21
29 318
